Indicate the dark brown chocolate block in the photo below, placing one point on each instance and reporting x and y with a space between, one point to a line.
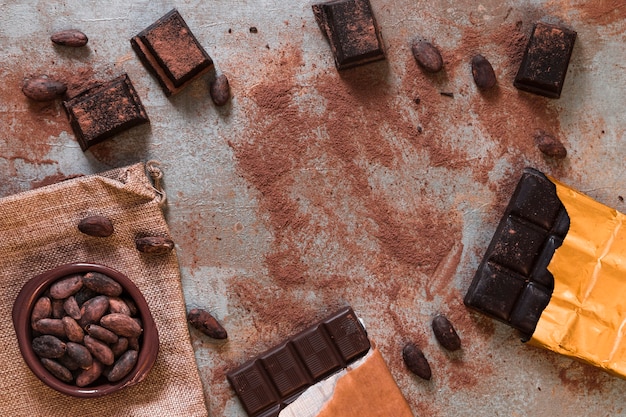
170 51
104 110
512 283
351 30
274 379
545 60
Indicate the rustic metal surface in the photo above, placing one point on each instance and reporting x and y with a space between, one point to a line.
313 189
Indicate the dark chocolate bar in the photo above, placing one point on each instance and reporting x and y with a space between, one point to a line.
274 379
170 51
545 60
351 30
512 283
104 110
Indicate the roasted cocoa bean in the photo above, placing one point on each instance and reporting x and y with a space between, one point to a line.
41 310
427 56
133 343
550 145
58 311
98 226
101 333
68 362
58 370
72 329
48 346
117 305
53 327
155 245
102 284
83 295
43 89
99 350
121 325
206 323
445 333
122 366
67 286
70 306
70 37
88 376
120 346
482 71
80 354
132 306
415 361
93 310
220 90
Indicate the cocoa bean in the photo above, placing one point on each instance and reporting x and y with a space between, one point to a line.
72 329
120 346
41 310
93 310
43 89
48 346
102 284
122 366
220 90
427 56
98 226
80 354
415 361
132 306
70 37
67 286
58 311
482 71
445 333
101 333
117 305
99 350
121 325
550 145
83 295
88 376
70 306
53 327
133 343
206 323
68 362
156 245
58 370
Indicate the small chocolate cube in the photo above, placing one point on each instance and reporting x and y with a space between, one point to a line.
104 110
545 60
170 51
351 30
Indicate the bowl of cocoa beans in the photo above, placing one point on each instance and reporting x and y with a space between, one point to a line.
85 330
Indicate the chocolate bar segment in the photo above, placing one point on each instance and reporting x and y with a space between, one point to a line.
170 51
545 60
512 283
351 30
274 379
104 110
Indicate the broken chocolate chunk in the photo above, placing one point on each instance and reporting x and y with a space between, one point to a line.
170 51
351 30
545 61
104 110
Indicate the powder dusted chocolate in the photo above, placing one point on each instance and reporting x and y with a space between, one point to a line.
351 30
169 50
104 110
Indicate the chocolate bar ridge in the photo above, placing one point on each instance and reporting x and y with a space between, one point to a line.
275 378
512 283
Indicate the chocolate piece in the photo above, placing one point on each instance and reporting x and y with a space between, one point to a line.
351 30
104 110
545 61
512 283
274 379
170 51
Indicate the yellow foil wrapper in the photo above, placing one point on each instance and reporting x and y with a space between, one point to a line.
586 316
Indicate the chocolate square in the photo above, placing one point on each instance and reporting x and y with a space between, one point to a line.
517 244
317 353
545 60
104 110
170 51
529 306
285 370
351 30
254 389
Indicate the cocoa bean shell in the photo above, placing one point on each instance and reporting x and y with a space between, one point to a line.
445 333
415 361
98 226
70 37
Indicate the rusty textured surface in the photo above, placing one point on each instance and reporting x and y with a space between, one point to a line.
313 189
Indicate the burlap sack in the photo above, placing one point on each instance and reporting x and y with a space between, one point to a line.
38 232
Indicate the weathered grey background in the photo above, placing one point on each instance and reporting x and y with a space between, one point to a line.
284 207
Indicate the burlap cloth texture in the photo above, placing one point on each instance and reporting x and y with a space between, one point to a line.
38 232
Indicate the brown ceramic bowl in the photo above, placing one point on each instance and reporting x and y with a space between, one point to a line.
37 286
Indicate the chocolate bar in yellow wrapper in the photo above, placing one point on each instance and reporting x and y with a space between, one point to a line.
556 271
